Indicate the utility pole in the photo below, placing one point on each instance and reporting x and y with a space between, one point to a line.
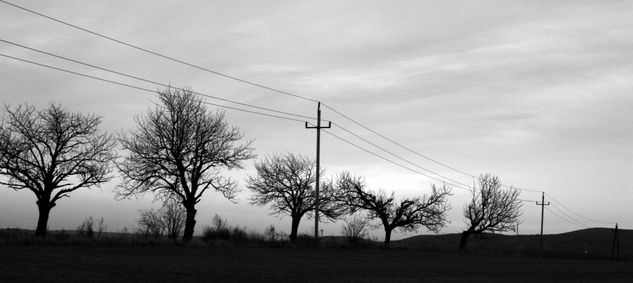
615 248
318 128
542 204
517 229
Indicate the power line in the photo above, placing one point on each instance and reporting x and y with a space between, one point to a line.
206 95
578 222
521 189
566 220
226 76
396 143
389 160
141 88
411 150
396 156
578 214
149 81
159 54
217 73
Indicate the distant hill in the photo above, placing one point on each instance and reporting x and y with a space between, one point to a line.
587 243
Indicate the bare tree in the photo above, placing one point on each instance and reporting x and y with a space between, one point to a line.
408 214
151 223
355 228
179 150
286 182
491 209
167 220
173 218
52 152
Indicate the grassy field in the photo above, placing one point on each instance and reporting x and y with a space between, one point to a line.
46 263
594 243
579 256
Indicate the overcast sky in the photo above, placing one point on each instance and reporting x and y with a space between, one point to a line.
539 93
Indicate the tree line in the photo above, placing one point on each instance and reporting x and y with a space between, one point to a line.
178 151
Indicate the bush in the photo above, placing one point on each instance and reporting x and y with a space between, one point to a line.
355 229
222 231
85 229
270 234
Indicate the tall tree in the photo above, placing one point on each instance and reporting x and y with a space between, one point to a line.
52 152
287 183
491 209
407 214
179 151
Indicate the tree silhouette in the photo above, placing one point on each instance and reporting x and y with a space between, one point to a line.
169 220
355 228
53 153
173 218
491 209
287 184
408 214
178 151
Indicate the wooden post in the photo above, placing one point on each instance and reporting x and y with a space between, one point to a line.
318 127
542 204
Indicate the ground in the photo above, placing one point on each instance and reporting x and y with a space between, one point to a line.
77 263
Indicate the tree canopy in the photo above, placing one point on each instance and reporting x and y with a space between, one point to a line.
53 152
408 214
179 150
491 209
287 184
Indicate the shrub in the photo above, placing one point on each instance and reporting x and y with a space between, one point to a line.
86 228
355 228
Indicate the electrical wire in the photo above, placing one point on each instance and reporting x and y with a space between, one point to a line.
396 156
232 78
580 223
150 81
254 112
219 74
394 142
566 220
578 214
141 88
159 54
391 161
521 189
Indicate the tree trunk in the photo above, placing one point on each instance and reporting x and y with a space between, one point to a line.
190 223
44 207
387 236
294 228
463 239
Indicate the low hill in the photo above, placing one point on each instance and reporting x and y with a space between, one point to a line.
587 243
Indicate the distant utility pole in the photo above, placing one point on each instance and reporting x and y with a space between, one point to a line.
517 229
318 127
615 248
542 204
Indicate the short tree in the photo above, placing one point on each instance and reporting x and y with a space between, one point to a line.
286 183
355 228
150 224
53 152
491 209
178 151
87 229
173 218
168 220
408 214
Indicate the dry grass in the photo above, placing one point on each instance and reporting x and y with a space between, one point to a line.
199 263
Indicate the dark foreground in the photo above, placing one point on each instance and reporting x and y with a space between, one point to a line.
181 263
